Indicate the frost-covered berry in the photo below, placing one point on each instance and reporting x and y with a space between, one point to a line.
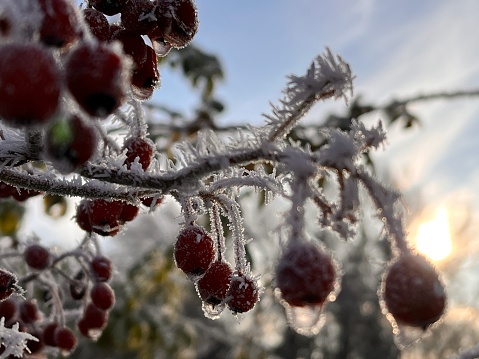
99 216
65 339
305 275
70 143
128 212
101 268
60 26
178 20
243 293
413 293
95 77
141 148
146 78
194 250
98 24
214 284
139 17
30 90
102 296
8 284
37 256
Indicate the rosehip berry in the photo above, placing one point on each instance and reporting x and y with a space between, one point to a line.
65 340
98 24
70 143
141 148
139 16
95 77
102 296
194 250
102 268
8 309
128 212
243 293
29 312
133 45
99 216
30 90
60 25
8 284
179 21
49 334
146 78
413 293
36 256
93 321
305 275
214 284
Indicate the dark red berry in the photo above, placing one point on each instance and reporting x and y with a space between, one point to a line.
49 334
139 16
6 190
29 312
93 318
149 201
243 293
102 268
146 78
305 275
102 296
95 77
141 148
65 339
8 309
70 143
8 284
35 346
214 284
413 293
107 7
179 20
36 256
99 216
60 25
128 212
98 24
133 45
194 250
30 90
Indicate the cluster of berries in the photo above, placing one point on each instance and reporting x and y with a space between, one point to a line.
412 292
51 330
217 284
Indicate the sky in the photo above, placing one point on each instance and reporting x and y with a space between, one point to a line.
396 49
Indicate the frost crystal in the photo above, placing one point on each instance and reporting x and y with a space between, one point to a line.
14 341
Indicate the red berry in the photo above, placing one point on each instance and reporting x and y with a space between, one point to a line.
8 284
194 250
49 334
36 256
6 190
70 143
139 16
149 201
65 339
305 275
8 309
413 293
99 216
179 20
102 296
30 90
95 77
243 293
94 319
214 284
141 148
146 78
35 346
133 45
29 312
129 212
108 7
60 25
102 268
98 24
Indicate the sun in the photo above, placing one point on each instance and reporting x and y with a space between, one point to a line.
433 238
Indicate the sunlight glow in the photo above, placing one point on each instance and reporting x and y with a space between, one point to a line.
433 237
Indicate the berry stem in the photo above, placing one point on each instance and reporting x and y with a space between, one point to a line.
217 229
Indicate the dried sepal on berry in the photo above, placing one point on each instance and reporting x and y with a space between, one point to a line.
412 293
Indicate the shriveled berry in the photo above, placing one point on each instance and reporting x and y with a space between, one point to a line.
243 293
214 284
102 268
29 90
98 23
141 148
102 296
37 256
305 274
194 250
8 284
413 293
65 339
60 26
95 77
